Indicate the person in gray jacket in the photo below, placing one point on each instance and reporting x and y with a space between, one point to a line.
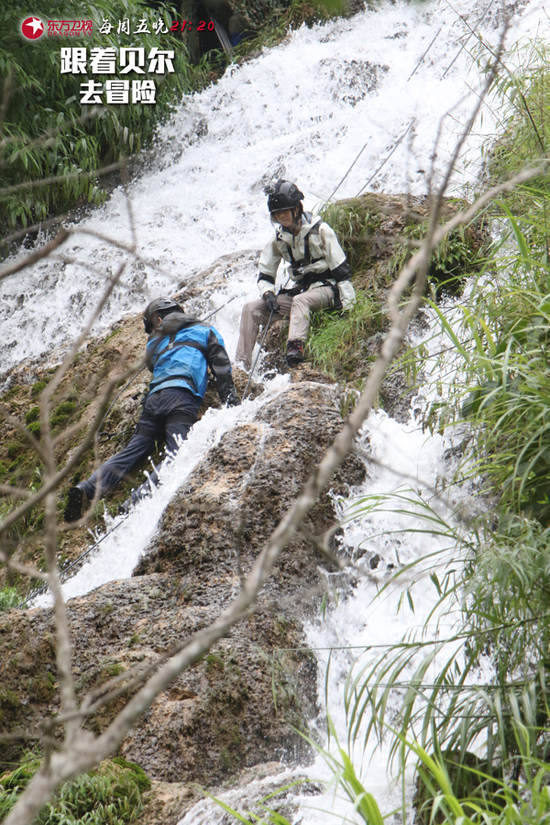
317 266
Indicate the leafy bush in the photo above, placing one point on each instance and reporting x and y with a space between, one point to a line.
9 597
502 382
46 131
108 795
456 258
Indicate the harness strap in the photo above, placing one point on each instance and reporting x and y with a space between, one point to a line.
180 376
173 344
307 260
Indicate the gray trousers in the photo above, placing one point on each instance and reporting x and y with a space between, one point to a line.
167 414
297 306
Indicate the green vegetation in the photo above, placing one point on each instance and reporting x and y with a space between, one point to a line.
335 339
499 388
48 133
524 131
266 22
108 795
9 597
492 377
355 222
481 752
339 343
456 258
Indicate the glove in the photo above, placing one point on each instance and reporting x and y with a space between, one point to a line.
233 399
271 301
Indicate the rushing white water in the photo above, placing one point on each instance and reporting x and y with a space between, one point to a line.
381 91
128 536
413 469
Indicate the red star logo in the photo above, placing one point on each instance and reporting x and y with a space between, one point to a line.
32 27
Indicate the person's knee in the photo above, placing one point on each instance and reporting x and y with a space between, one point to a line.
251 307
300 305
259 313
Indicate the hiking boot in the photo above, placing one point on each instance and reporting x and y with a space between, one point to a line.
73 508
294 353
125 507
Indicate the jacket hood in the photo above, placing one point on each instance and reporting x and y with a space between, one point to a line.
173 322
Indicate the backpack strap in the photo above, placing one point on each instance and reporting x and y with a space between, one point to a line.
173 344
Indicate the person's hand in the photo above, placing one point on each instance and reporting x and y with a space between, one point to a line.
271 301
233 399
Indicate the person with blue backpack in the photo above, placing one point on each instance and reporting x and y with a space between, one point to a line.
180 351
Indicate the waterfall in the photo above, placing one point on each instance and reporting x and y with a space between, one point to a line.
375 102
373 96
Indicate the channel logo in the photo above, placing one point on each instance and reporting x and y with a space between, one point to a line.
32 28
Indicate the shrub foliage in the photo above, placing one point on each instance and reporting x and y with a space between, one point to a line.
46 132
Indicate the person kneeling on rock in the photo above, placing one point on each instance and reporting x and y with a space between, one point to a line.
180 350
318 267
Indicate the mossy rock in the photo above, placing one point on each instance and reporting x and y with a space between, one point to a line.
142 780
32 415
37 388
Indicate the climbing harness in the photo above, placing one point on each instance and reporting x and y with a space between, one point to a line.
308 259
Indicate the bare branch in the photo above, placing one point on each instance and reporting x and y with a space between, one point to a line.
81 750
31 572
36 184
34 257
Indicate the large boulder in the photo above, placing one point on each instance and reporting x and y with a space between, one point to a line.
237 707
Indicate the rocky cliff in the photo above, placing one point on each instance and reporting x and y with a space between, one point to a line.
242 704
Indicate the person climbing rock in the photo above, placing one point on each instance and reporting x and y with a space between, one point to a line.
318 267
180 350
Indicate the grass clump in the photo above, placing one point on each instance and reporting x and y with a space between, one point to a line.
9 597
502 382
108 795
355 221
524 129
62 413
456 258
502 341
334 340
32 415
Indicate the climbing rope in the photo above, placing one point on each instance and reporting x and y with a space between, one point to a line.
63 573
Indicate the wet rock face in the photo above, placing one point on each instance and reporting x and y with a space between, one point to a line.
237 496
235 708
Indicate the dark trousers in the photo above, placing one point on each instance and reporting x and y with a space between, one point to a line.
167 414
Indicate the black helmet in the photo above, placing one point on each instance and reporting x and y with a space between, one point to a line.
160 306
284 195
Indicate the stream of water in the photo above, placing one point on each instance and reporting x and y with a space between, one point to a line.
383 97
